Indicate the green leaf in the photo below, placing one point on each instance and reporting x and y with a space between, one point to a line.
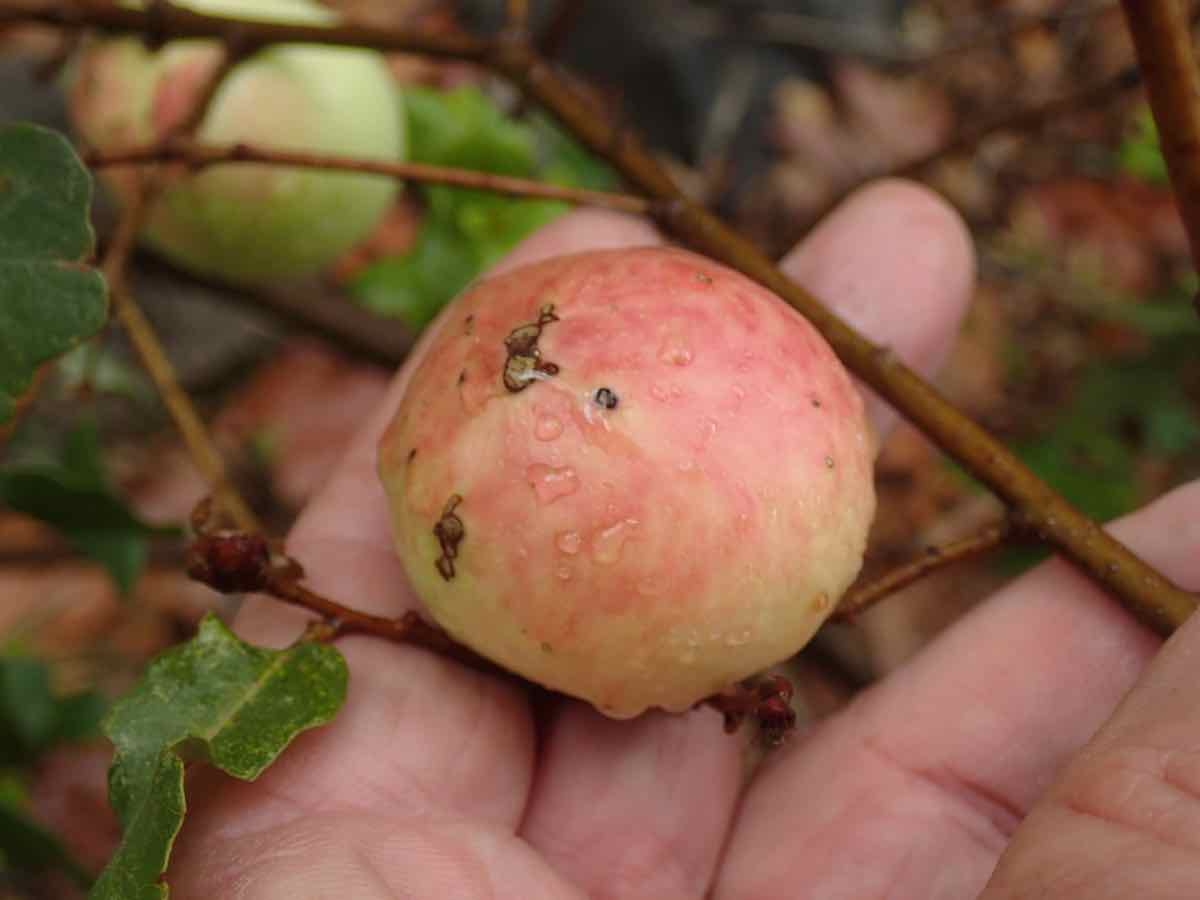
75 498
493 225
103 372
465 128
1140 154
1121 410
466 231
415 286
27 708
216 698
567 162
28 847
49 300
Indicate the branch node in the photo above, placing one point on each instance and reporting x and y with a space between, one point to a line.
764 699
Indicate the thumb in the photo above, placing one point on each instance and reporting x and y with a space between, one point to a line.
1124 819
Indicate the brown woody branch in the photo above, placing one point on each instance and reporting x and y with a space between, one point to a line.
517 15
861 598
199 443
200 155
1163 40
238 562
1034 505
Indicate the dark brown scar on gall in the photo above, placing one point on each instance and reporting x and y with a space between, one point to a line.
450 532
523 364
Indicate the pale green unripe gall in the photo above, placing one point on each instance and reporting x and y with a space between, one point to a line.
248 223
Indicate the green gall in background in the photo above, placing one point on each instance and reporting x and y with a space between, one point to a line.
245 223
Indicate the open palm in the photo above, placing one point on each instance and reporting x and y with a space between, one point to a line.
439 783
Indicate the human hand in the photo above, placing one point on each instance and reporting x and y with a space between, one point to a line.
435 781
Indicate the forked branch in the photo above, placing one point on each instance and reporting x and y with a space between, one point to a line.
861 598
1033 504
195 154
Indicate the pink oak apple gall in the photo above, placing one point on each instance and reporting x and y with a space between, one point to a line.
633 476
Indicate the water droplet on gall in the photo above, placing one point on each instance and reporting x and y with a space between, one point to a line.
568 542
547 428
674 351
550 483
608 542
738 638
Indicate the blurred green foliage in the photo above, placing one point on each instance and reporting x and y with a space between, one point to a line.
1125 416
1139 154
73 495
33 719
465 231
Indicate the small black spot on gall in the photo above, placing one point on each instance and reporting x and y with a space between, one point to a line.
829 462
606 397
412 454
816 403
462 377
469 324
703 279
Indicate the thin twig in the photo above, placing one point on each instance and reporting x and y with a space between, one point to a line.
1144 590
1022 119
516 16
141 333
1163 42
198 155
765 699
193 117
558 30
239 562
359 332
199 443
832 37
1025 119
859 599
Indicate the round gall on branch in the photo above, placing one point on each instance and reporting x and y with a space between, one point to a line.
632 476
247 224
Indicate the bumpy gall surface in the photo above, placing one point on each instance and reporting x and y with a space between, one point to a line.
666 492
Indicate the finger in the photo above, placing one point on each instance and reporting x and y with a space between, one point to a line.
659 792
1124 819
898 228
916 788
418 735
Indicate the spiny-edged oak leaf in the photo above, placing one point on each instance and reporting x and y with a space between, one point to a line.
49 300
215 699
